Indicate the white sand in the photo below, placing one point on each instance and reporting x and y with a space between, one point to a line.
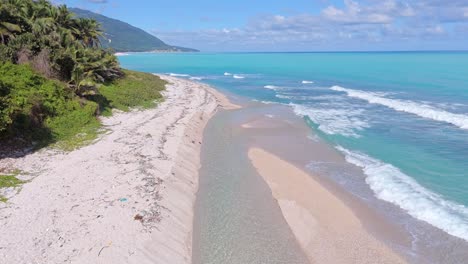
80 206
327 230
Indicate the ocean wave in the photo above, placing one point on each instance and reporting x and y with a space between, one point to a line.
420 109
307 82
118 54
197 78
235 76
344 122
178 75
327 98
227 74
296 97
391 185
271 87
280 96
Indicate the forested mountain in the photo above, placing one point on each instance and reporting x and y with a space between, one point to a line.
123 37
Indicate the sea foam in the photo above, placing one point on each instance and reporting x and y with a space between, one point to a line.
119 54
227 74
235 76
271 87
344 122
307 82
420 109
178 75
390 184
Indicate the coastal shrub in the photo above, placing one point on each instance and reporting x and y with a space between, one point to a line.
137 89
40 109
76 127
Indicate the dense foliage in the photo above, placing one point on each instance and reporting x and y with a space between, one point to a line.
124 37
41 109
55 78
56 44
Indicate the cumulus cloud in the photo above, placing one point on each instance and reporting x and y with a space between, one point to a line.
354 25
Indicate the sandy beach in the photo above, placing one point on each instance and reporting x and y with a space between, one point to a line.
129 197
126 198
327 230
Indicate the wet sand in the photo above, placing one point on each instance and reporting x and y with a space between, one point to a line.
328 231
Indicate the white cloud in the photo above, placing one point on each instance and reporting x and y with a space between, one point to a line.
356 24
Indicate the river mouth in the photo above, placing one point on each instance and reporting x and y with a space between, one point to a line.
236 218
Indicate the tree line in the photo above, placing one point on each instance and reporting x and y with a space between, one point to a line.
52 68
56 44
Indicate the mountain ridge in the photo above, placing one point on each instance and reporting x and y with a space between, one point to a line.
123 37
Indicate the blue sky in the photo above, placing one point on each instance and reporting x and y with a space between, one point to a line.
295 25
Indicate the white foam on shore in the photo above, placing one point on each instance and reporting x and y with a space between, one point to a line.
344 122
118 54
390 184
307 82
420 109
235 76
197 78
178 75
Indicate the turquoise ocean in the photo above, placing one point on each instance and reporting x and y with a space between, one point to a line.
400 116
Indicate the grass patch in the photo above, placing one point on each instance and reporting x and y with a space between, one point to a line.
9 181
136 89
76 128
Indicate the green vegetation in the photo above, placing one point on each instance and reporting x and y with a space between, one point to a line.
41 109
136 90
55 78
9 181
124 37
55 44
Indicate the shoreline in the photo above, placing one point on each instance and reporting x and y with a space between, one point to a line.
367 237
325 227
126 198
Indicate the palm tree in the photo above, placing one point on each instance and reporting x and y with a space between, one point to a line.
9 25
88 31
72 45
7 31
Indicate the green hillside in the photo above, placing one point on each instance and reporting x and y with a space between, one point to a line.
123 37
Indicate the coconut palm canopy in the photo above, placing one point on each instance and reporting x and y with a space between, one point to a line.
56 43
